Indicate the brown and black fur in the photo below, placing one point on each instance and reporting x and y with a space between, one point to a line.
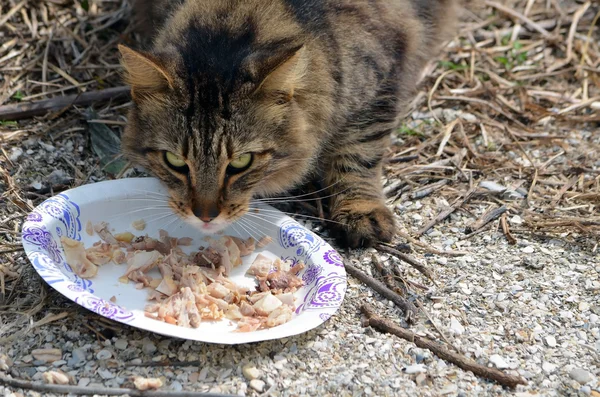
313 87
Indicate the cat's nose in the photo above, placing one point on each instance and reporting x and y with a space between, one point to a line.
206 212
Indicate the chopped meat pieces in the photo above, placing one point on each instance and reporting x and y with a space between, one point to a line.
89 228
267 304
102 230
147 383
75 256
143 261
194 288
140 224
261 266
124 237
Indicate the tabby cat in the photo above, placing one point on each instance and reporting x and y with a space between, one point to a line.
235 99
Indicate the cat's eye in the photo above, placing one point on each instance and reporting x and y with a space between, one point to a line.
240 163
176 162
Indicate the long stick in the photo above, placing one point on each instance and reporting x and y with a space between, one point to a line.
25 110
443 215
486 218
387 326
408 259
78 390
408 308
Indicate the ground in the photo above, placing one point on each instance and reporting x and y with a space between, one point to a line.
509 113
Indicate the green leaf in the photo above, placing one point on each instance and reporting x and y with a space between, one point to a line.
106 144
18 95
406 130
452 65
85 5
517 45
8 123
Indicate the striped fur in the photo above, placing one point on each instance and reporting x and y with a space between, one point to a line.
312 87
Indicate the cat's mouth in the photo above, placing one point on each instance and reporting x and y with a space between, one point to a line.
212 227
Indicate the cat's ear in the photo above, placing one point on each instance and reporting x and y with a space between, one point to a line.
284 72
144 73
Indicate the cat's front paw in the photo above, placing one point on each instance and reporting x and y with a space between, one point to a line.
363 224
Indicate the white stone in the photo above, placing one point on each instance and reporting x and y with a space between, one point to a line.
250 372
415 369
528 250
551 341
103 354
257 385
548 367
498 361
517 220
456 327
15 154
580 375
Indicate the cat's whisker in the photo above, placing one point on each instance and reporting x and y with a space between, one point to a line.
302 195
160 218
162 209
151 193
292 200
258 225
157 200
243 226
273 213
170 222
265 220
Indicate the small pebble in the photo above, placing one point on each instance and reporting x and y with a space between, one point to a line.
551 341
456 327
121 344
105 373
148 347
103 354
498 361
548 367
251 372
415 369
528 250
15 154
580 375
257 385
176 386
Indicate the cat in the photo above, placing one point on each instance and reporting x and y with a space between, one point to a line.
237 99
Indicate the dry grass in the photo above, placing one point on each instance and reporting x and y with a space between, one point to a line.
515 100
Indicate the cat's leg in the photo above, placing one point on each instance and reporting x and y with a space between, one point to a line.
353 171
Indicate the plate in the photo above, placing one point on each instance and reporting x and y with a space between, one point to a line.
119 203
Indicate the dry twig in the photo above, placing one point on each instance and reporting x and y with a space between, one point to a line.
387 326
408 308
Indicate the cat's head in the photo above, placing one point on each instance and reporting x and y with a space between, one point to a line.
218 125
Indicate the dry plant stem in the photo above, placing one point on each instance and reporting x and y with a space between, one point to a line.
402 159
487 217
427 190
77 390
388 276
443 215
408 259
475 233
515 14
408 308
465 363
428 248
25 110
511 239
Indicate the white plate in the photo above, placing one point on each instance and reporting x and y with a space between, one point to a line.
119 203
